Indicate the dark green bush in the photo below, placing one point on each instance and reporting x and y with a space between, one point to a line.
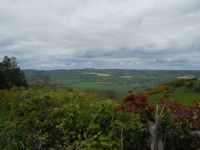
70 121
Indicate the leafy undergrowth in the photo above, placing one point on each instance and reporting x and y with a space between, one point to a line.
59 119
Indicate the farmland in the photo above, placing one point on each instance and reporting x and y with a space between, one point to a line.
107 80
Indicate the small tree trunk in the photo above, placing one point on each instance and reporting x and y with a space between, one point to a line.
195 133
153 138
156 142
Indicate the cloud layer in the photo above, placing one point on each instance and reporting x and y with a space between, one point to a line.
134 34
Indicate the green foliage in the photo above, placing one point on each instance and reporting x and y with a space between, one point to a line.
196 86
45 118
176 137
193 85
59 119
10 74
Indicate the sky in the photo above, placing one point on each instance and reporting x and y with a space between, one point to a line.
117 34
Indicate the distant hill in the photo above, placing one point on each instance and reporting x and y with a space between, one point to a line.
116 80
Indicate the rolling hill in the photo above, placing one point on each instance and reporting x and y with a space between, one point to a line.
114 81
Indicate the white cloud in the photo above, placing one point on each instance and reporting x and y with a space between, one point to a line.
55 34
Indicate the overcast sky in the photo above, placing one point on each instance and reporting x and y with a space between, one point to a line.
127 34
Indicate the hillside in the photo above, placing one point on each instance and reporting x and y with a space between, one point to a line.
116 81
182 90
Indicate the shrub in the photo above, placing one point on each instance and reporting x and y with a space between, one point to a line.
65 120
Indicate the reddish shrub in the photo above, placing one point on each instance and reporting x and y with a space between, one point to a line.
185 115
138 103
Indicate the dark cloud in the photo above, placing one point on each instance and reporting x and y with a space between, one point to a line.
65 34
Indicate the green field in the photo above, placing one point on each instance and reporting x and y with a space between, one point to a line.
181 95
116 81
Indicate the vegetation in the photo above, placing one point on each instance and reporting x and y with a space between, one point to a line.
59 119
169 122
106 80
10 74
181 90
45 118
41 117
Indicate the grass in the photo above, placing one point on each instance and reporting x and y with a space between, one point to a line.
185 96
181 95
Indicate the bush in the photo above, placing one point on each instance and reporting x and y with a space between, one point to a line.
197 87
60 120
159 89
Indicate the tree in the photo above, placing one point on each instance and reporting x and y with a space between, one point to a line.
10 74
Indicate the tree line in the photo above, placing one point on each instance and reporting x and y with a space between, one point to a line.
10 74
